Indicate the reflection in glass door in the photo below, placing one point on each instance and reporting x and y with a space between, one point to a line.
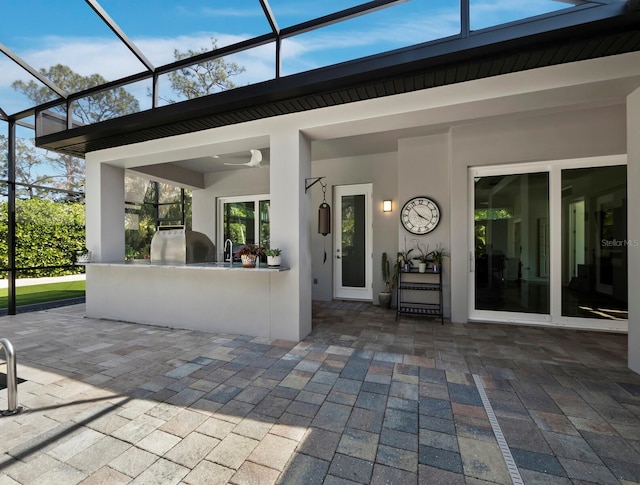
352 242
594 243
550 243
511 229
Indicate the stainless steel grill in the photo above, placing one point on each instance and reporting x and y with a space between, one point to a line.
180 246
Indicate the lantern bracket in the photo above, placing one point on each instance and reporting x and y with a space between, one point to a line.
308 185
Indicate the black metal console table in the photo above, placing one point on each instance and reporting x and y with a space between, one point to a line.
420 294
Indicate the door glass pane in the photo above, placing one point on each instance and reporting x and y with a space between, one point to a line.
511 224
239 224
353 241
265 240
594 242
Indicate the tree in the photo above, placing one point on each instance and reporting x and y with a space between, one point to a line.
203 78
26 168
97 107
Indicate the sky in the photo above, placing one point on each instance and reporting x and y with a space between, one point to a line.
45 33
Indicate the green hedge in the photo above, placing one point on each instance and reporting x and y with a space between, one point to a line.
47 234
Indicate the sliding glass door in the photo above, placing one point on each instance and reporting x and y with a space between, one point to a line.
594 243
549 243
511 230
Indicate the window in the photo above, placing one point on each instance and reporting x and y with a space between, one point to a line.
150 204
243 220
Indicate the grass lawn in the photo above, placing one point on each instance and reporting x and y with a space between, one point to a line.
28 295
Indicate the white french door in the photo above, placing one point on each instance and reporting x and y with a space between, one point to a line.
353 246
548 243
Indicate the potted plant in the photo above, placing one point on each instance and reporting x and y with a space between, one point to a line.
83 255
249 253
273 257
423 257
384 297
437 258
404 260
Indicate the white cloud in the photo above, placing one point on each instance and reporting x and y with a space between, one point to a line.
379 37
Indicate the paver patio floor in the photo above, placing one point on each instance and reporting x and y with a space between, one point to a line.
363 399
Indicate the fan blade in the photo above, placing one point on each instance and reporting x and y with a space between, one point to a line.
256 158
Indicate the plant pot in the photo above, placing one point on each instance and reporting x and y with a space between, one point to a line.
83 257
248 260
406 267
436 268
422 267
274 261
384 298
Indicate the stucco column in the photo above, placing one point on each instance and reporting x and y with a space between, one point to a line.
104 208
204 213
290 164
633 225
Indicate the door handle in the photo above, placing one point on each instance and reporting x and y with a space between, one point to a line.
337 257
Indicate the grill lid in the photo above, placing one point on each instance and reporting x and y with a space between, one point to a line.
181 246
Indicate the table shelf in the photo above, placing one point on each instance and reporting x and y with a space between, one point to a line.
420 294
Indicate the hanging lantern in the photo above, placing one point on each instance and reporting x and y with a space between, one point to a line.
324 219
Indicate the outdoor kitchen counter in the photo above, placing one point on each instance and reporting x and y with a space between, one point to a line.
198 266
213 297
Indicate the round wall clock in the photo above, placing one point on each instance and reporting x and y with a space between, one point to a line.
420 215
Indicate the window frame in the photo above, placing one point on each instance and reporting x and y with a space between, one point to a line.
221 201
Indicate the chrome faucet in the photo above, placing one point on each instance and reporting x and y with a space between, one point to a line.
230 259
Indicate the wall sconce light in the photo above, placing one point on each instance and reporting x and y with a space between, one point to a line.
386 206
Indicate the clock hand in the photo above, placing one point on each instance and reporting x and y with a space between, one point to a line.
420 215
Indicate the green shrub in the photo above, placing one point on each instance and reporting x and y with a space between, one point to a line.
47 234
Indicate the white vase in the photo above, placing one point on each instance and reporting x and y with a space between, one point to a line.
422 267
273 261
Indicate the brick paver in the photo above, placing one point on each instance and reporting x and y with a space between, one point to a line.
112 402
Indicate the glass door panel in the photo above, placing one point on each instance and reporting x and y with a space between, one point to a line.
353 239
352 242
239 225
511 230
594 243
265 227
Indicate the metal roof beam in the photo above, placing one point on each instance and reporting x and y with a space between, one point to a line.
336 17
35 73
220 52
3 115
123 82
120 33
266 8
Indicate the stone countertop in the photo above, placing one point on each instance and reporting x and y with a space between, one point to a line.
195 266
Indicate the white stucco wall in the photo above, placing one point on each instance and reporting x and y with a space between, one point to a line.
564 135
104 211
423 169
379 170
535 115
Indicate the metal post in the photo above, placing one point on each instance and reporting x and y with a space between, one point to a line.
11 220
12 386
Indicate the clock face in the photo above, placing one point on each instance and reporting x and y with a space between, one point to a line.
420 215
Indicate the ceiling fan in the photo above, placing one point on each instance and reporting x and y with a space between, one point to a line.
254 162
